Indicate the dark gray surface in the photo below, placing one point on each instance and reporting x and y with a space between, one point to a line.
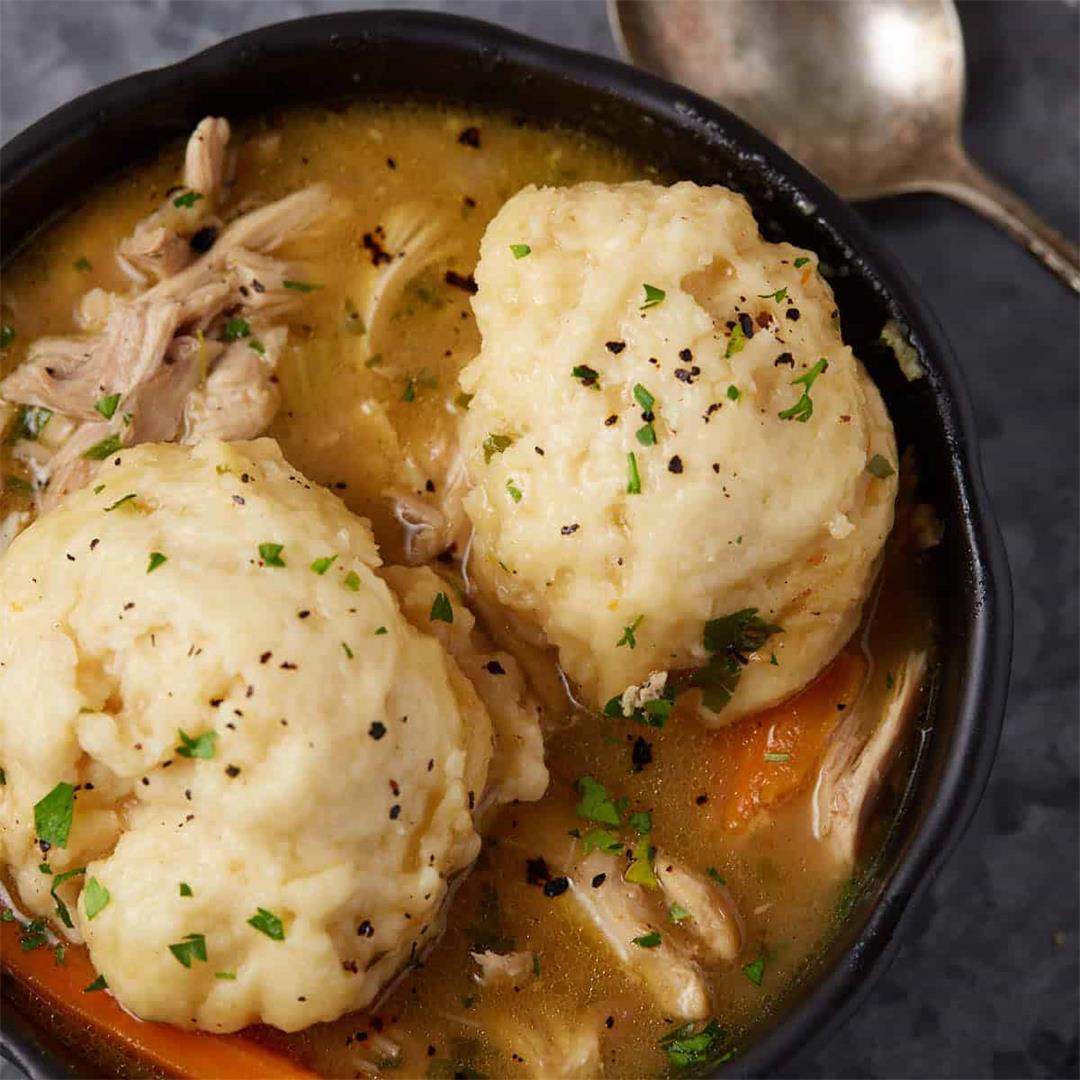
986 985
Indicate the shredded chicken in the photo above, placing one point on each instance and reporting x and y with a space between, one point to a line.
621 912
548 1050
713 919
153 366
857 762
509 969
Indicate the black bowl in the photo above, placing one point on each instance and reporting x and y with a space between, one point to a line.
395 55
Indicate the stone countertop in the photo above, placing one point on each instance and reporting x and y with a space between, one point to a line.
985 984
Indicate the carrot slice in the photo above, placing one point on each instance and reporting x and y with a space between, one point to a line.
763 760
173 1050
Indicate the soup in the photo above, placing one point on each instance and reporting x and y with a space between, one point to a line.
525 979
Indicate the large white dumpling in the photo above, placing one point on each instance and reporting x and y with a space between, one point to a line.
336 793
643 456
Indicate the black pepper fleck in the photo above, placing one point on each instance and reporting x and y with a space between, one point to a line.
556 887
377 730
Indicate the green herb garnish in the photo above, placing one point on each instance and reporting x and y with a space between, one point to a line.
595 804
321 565
441 609
736 343
800 262
187 200
30 422
229 976
61 907
755 970
602 840
677 913
193 947
803 409
83 264
156 559
730 639
589 377
689 1046
98 984
100 451
300 286
643 397
348 652
520 250
7 336
633 477
257 346
648 941
628 636
95 898
409 393
879 466
776 756
653 296
53 814
235 329
777 296
107 405
185 889
266 922
646 435
130 497
714 874
496 444
202 746
513 491
733 393
271 554
641 869
351 581
641 821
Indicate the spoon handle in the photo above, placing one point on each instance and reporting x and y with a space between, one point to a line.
961 179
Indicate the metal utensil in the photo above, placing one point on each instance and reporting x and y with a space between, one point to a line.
869 95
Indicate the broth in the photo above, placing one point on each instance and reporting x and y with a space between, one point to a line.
374 421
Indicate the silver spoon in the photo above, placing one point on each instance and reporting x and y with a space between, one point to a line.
868 95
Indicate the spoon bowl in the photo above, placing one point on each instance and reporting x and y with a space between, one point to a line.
869 96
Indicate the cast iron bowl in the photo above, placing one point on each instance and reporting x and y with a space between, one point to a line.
395 55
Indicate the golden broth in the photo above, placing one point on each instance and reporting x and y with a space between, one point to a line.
373 418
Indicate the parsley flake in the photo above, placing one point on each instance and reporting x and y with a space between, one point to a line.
300 286
513 491
641 869
185 889
520 250
643 397
776 756
345 648
237 328
879 466
602 840
61 907
777 296
53 814
628 637
271 554
641 821
122 501
755 970
648 941
156 559
496 444
193 947
633 477
83 264
107 405
202 746
733 393
7 336
595 804
800 262
229 976
441 609
646 435
100 451
95 898
30 422
714 874
187 200
257 346
653 296
266 922
803 409
736 343
688 1047
98 984
321 565
677 914
351 581
588 376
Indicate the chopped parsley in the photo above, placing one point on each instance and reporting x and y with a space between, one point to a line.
803 409
409 393
755 970
229 976
641 868
628 635
513 491
687 1047
321 565
30 422
271 554
300 286
380 630
730 639
800 262
641 821
83 264
185 889
736 343
53 814
18 486
345 648
633 477
653 296
202 746
95 898
351 581
193 947
33 935
187 200
441 609
653 713
496 444
714 875
602 840
646 435
235 329
156 559
130 497
677 913
879 466
520 250
266 922
773 660
107 405
61 907
98 984
100 451
643 397
777 296
7 335
595 804
257 346
776 756
648 941
588 376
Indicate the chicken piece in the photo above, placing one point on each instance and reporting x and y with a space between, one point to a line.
621 912
431 528
68 470
714 921
857 763
204 160
549 1050
517 768
260 279
71 375
509 969
156 250
157 406
240 395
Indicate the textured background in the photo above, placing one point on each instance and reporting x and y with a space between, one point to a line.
986 984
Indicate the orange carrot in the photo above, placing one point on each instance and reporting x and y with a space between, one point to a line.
765 759
167 1048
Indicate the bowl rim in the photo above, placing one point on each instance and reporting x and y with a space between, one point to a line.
986 660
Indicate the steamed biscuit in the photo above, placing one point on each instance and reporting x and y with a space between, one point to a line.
274 772
667 429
